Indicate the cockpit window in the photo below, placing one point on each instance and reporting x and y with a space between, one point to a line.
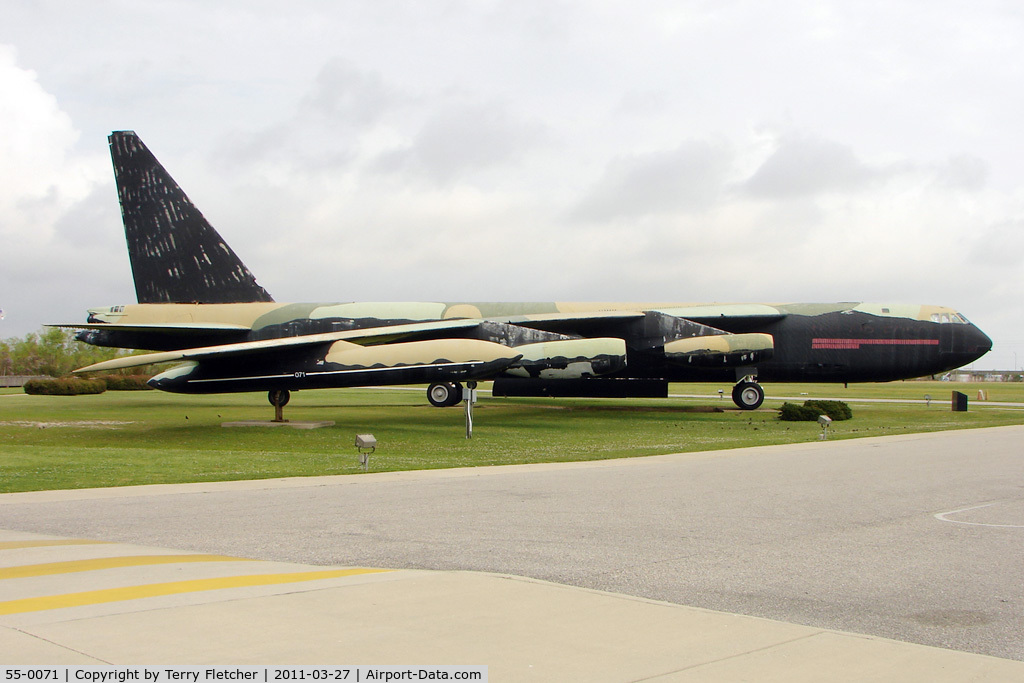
949 318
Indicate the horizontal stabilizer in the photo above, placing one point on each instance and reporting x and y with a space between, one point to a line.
177 328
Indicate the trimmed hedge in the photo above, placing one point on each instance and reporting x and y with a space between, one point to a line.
810 410
837 410
791 412
126 382
65 386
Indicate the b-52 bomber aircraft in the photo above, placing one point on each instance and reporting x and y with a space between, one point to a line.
200 305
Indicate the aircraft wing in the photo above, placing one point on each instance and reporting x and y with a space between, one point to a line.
461 349
578 324
729 317
712 335
706 314
538 337
363 337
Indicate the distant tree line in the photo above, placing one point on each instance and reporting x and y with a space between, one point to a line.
52 351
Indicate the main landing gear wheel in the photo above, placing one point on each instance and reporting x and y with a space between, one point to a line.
279 399
444 394
748 395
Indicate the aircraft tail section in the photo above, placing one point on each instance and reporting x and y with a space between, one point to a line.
176 255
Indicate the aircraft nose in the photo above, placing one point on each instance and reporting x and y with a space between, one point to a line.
978 342
982 341
961 344
970 345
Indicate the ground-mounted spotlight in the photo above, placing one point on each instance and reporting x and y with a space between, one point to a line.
365 445
824 421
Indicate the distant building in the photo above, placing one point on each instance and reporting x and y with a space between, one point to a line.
8 381
984 376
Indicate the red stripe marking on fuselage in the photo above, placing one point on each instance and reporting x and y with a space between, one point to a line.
823 343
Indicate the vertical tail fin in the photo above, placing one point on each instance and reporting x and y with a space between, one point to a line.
176 255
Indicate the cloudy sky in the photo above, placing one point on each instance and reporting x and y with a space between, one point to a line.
665 150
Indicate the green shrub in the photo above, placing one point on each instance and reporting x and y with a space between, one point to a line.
126 382
810 410
837 410
791 412
65 386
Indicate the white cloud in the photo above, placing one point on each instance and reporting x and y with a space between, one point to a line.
35 175
461 139
999 247
804 165
44 184
688 178
963 172
347 96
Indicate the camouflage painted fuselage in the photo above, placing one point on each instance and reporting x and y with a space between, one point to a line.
843 342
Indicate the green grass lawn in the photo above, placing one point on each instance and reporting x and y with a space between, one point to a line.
124 438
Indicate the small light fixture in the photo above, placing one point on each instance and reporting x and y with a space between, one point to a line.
824 421
365 445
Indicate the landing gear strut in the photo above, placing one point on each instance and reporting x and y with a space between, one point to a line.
444 394
748 394
279 399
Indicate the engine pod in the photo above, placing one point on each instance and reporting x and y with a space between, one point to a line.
721 349
569 358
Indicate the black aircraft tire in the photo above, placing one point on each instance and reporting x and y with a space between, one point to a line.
444 394
748 395
279 397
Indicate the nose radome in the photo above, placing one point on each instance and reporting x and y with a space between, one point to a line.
978 342
961 344
970 345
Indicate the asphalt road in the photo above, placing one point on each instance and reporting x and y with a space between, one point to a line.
882 536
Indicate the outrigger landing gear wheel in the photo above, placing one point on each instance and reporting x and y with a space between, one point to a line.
748 395
444 394
279 399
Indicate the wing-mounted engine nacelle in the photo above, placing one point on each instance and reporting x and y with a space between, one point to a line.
721 350
570 358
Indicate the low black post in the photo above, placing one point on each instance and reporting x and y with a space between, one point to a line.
959 402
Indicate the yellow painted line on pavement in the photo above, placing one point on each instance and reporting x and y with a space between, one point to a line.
13 545
71 566
173 588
